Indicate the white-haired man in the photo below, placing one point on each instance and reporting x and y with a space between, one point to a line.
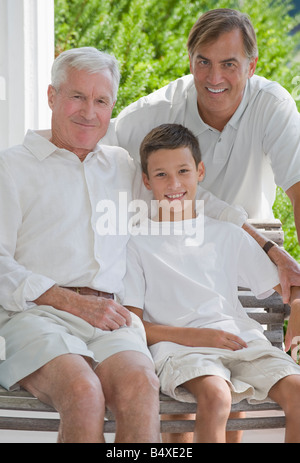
68 341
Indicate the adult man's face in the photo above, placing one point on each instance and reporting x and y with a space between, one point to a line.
81 110
221 69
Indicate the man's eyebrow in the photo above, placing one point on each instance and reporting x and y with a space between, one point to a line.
202 57
229 60
226 60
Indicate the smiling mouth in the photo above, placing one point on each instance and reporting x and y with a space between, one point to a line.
175 196
85 124
216 90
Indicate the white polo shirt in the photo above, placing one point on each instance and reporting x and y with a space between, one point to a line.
258 149
181 283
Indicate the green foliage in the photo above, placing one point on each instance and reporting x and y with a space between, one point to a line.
283 211
148 37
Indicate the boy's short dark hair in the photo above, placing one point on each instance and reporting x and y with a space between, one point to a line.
171 137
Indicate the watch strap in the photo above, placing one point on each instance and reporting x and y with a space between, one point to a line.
268 246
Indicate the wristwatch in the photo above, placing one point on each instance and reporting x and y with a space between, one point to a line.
268 246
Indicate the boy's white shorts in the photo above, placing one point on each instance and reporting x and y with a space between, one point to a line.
250 372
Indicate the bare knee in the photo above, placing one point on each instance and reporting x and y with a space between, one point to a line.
139 385
286 393
213 396
86 387
216 400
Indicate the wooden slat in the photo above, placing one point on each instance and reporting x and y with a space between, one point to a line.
29 424
232 425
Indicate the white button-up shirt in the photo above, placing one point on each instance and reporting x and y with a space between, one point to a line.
260 144
49 209
67 222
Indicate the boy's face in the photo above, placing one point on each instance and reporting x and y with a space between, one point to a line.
173 178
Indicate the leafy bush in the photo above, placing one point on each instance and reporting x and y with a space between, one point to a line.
148 37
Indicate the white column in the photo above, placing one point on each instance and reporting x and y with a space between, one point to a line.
26 57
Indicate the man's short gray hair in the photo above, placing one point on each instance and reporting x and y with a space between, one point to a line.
88 59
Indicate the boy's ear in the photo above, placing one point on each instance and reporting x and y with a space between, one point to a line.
201 171
146 181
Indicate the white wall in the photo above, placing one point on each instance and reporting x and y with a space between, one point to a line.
26 57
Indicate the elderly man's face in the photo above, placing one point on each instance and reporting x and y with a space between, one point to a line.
81 110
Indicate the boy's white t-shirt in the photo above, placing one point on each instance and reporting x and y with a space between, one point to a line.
186 281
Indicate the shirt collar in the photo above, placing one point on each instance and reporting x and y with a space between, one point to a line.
39 144
194 121
234 121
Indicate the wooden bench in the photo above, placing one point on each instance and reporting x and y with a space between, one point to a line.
270 312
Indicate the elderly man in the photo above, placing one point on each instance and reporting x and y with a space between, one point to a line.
68 341
248 128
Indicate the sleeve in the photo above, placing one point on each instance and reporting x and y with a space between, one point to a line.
134 280
220 210
256 271
18 285
281 140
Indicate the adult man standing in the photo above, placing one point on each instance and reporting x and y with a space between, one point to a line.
67 340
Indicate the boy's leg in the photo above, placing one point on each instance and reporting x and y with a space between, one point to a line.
213 408
232 437
286 393
131 390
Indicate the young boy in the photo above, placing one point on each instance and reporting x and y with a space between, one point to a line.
184 288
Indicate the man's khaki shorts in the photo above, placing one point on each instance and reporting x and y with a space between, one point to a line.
38 335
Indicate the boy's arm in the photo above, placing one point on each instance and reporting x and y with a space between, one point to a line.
191 337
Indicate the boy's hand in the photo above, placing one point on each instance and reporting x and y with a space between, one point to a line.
207 337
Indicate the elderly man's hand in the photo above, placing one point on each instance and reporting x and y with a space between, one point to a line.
103 313
100 312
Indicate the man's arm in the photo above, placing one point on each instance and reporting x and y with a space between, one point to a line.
292 337
192 337
288 268
294 194
102 313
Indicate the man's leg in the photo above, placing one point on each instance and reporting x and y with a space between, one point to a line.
131 390
286 393
69 384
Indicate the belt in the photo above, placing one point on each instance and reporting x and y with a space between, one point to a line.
84 291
